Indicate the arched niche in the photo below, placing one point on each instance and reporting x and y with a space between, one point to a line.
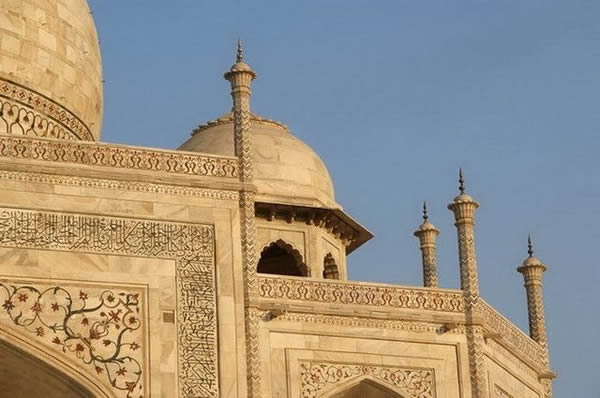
27 370
362 387
281 258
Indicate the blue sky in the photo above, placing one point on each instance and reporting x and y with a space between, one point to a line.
395 96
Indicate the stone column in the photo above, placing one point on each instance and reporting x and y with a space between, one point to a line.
533 270
463 206
427 233
240 76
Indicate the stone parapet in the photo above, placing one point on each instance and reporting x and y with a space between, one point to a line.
510 336
340 293
118 157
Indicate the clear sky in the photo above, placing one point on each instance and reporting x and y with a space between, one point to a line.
395 96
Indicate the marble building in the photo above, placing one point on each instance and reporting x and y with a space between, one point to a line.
214 270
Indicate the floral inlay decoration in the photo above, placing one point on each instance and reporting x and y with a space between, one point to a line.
99 328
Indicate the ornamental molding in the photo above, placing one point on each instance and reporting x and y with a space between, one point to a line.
228 119
98 328
366 322
191 246
26 112
319 377
333 221
329 292
118 157
500 393
128 186
511 336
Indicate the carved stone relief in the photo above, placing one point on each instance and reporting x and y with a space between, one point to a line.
25 112
190 246
320 376
122 157
128 186
500 393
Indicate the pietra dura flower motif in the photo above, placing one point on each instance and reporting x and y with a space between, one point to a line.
100 328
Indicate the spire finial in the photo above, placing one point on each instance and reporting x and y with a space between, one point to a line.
461 182
425 214
529 246
240 52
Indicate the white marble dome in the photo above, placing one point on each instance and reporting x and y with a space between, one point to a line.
50 69
286 170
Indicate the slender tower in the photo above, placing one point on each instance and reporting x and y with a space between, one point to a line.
463 206
533 270
427 233
240 76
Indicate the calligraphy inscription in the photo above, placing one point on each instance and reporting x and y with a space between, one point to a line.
190 245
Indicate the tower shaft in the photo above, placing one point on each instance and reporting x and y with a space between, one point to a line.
463 207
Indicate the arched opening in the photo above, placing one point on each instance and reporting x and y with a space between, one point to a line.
330 268
23 375
365 387
280 258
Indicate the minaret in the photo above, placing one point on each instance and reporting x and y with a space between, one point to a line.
533 270
463 206
427 233
240 76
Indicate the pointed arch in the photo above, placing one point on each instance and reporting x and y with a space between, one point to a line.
330 267
281 258
359 386
24 361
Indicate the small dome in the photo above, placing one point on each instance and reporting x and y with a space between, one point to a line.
50 69
531 261
286 170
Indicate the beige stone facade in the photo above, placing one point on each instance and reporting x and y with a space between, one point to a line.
220 269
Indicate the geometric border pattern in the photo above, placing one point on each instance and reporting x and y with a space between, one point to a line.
190 245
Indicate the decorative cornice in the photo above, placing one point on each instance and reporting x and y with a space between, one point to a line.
510 336
369 322
228 119
341 293
30 113
127 186
334 221
118 156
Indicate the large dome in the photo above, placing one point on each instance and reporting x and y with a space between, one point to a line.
50 69
286 170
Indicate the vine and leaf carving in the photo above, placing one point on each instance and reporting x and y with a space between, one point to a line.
316 377
97 329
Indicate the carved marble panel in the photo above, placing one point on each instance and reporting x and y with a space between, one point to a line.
191 246
101 328
321 376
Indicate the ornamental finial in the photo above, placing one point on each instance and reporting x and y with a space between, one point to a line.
425 214
240 52
529 246
461 182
